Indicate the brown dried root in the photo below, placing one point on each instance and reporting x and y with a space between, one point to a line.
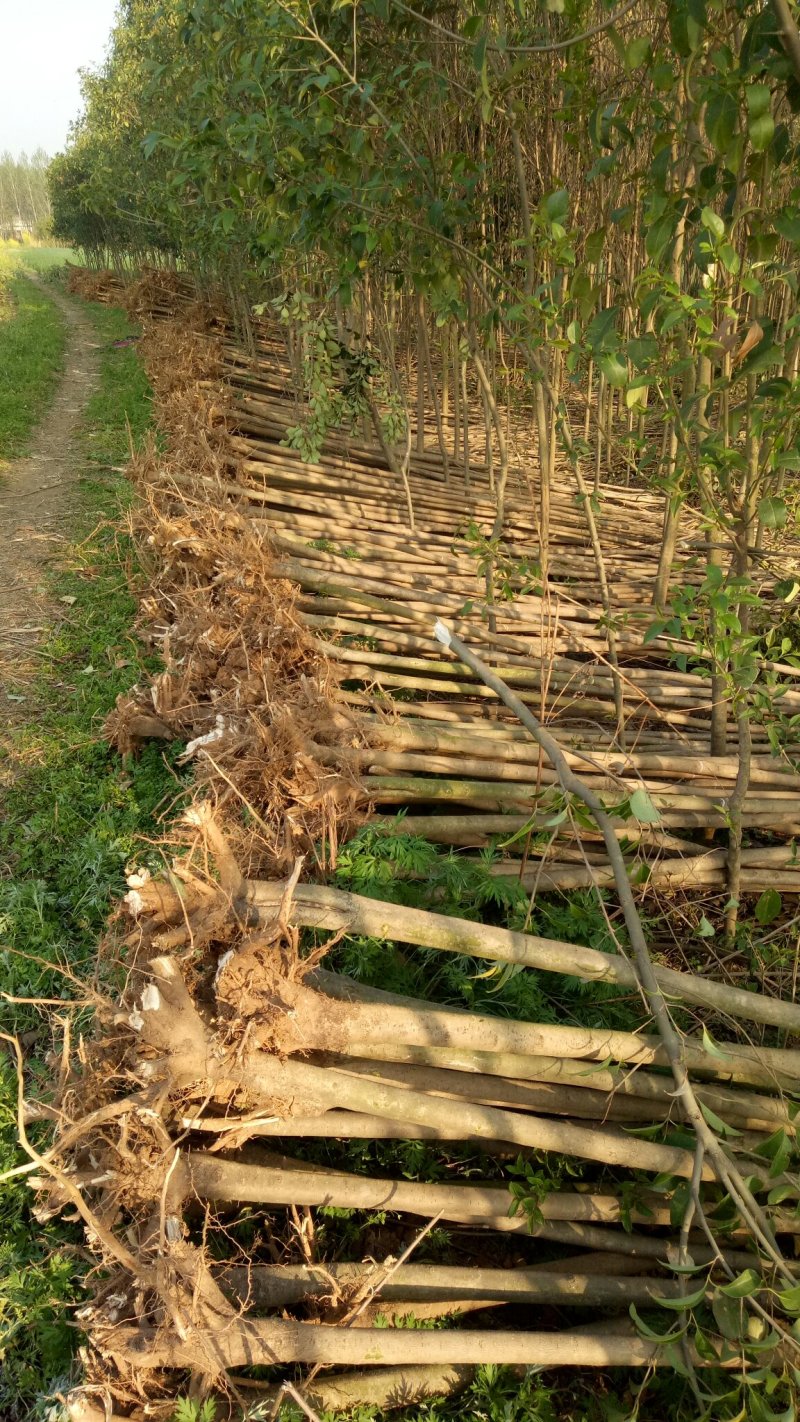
244 686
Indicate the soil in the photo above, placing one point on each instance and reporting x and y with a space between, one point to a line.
35 496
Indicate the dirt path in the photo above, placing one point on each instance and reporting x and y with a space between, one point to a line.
35 497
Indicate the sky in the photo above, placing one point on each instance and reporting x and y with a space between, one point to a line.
43 44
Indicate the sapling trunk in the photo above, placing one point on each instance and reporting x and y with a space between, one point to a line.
317 906
565 1219
382 1388
439 409
421 376
255 1343
174 1028
281 1286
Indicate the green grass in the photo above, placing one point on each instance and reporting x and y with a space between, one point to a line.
43 259
69 822
32 344
38 259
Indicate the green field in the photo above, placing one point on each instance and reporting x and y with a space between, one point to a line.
43 259
38 259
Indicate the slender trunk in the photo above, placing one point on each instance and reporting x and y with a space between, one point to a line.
543 433
421 373
735 817
438 410
465 418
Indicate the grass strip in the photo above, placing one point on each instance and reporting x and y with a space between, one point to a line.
70 816
32 344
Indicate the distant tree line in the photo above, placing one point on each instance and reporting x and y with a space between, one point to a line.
24 196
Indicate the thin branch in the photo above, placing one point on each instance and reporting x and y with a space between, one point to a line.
553 47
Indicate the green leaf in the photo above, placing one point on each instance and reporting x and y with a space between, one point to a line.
637 52
614 369
654 630
788 224
761 132
686 1268
647 1332
642 352
760 123
601 333
663 76
729 1316
781 1193
729 257
712 220
705 929
772 512
721 118
637 395
777 1149
768 907
705 1348
760 1412
709 1045
556 206
745 1284
775 389
678 1205
595 244
765 354
716 1122
672 318
789 1299
643 808
659 234
684 30
479 52
689 1301
758 100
